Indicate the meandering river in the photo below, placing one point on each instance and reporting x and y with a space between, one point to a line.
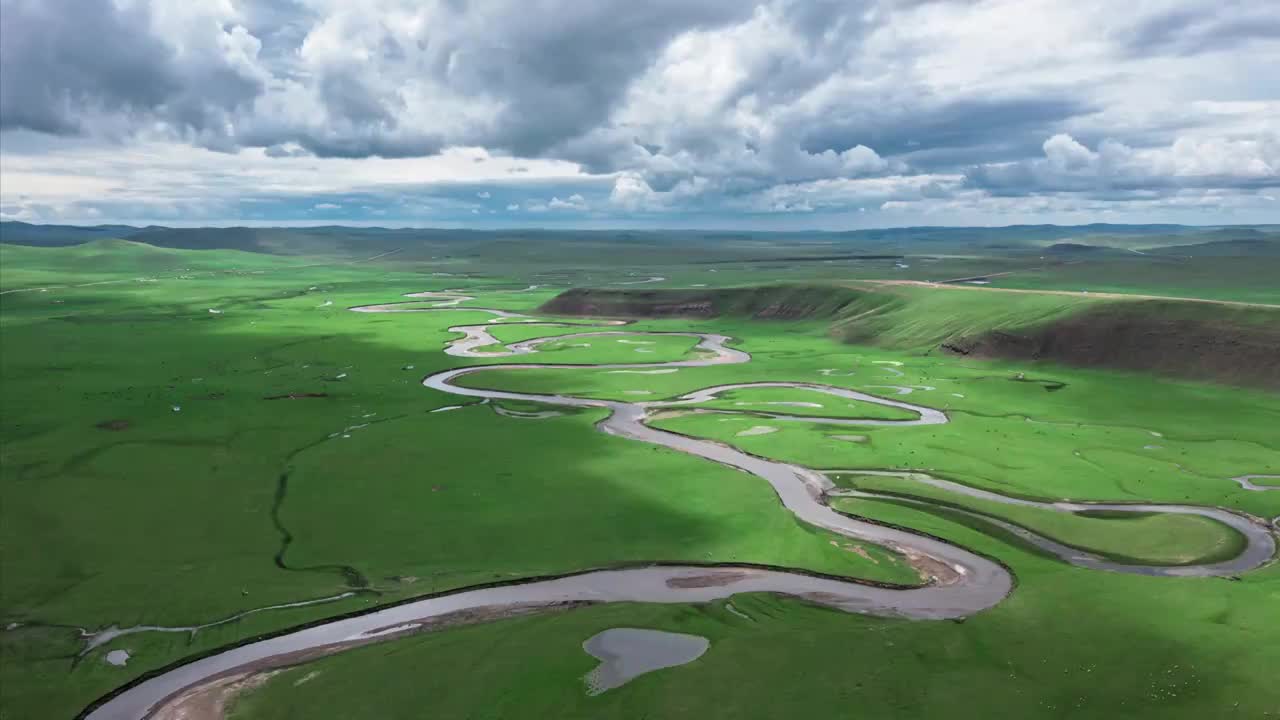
960 584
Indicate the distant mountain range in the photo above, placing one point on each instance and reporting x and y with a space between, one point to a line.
422 242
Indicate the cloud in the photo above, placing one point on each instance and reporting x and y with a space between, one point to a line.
573 202
931 133
654 111
1193 28
844 193
499 74
1115 168
70 66
631 192
283 150
50 74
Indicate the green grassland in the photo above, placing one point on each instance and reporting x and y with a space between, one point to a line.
917 317
1240 279
615 349
1237 264
1244 279
304 460
1041 444
1069 643
178 517
1154 539
125 262
799 402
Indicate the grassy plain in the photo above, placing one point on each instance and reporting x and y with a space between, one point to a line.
1069 643
801 402
1154 539
165 464
168 465
611 349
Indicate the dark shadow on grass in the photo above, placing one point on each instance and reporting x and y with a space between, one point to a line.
139 363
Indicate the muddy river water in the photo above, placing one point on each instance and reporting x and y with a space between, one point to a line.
961 582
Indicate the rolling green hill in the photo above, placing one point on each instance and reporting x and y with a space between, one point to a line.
1197 340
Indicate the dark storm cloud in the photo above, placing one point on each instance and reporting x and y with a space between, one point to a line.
67 64
563 67
1204 28
552 70
908 136
556 69
920 136
59 58
350 100
670 105
370 144
956 132
281 25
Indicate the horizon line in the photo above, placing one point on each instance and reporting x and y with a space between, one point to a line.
234 225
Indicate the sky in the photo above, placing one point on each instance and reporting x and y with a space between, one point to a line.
787 114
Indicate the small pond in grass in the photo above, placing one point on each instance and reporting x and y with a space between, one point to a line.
627 653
